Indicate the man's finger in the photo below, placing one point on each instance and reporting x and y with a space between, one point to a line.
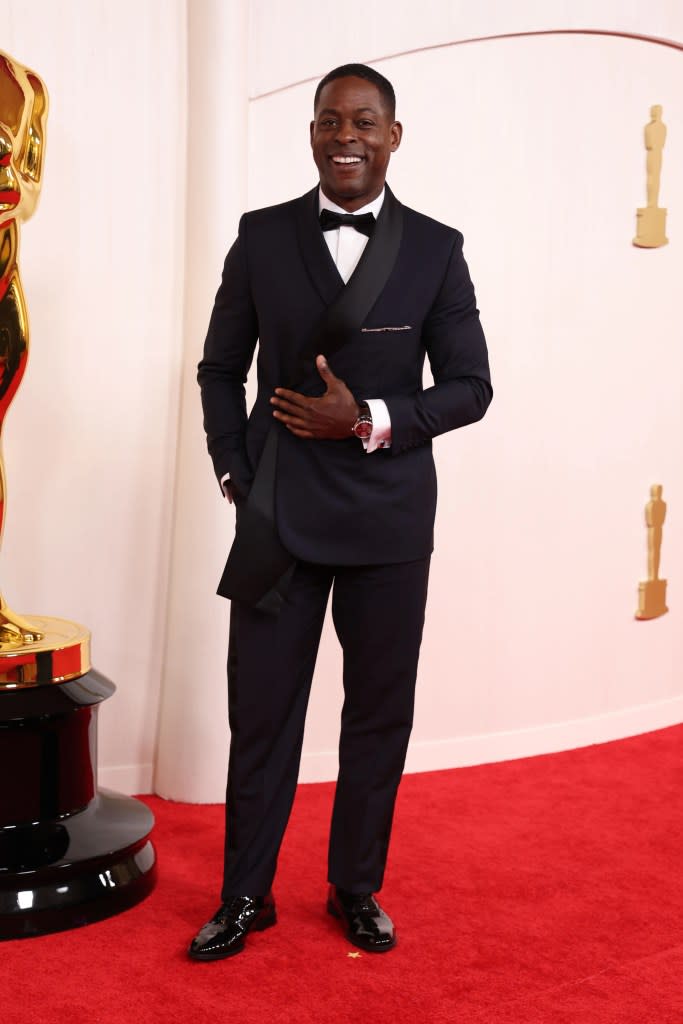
324 370
292 396
290 420
294 407
299 433
290 407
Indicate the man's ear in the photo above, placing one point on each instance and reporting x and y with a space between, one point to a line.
396 135
312 129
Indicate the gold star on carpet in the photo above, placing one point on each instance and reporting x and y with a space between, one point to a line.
354 956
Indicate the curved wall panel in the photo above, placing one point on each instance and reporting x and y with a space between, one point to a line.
530 642
374 32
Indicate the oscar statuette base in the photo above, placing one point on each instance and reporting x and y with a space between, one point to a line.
651 599
650 228
70 854
62 652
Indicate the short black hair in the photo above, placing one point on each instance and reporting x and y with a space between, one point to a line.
385 87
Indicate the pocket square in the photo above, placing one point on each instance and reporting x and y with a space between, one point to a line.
379 330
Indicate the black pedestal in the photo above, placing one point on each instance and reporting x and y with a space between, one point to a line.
69 854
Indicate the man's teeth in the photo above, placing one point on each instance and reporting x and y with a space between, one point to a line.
347 159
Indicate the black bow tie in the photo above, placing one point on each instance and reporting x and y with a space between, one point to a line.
363 222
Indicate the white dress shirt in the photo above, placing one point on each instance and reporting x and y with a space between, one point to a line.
346 247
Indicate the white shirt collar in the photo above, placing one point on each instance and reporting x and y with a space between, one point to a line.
374 207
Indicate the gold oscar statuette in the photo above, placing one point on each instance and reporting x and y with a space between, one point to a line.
32 650
652 592
70 852
651 219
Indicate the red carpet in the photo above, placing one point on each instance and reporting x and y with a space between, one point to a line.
542 891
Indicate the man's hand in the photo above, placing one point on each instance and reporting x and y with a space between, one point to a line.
331 416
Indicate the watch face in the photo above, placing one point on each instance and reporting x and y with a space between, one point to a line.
363 429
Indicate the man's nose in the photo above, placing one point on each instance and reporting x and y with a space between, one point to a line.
346 132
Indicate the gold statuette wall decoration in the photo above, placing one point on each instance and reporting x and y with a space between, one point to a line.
32 650
652 593
651 220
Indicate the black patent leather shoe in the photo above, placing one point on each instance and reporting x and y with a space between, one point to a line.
367 926
226 932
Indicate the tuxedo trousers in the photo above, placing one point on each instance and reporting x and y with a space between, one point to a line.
378 614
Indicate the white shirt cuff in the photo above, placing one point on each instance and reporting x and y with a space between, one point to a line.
224 480
381 425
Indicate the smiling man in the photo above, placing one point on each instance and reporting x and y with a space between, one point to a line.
345 290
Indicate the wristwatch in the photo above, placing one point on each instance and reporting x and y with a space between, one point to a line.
362 428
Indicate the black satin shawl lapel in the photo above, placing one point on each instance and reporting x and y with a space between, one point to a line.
349 306
314 249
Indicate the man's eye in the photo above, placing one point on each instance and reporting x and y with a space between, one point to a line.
366 124
329 122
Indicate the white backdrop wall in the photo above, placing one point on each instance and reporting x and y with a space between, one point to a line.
530 643
193 728
90 439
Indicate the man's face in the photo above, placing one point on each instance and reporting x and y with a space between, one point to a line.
352 138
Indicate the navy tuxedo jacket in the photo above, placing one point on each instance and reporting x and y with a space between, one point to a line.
333 503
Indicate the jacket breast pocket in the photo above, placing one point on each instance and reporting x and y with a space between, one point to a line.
387 330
